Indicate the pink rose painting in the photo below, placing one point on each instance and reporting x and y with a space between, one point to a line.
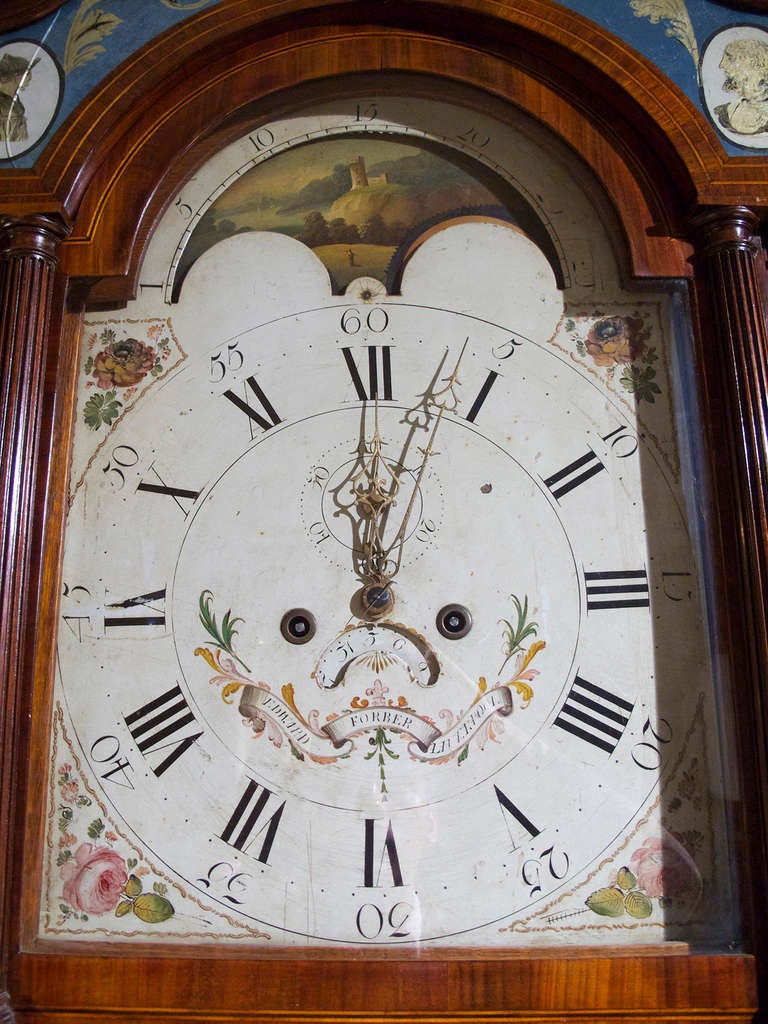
663 867
94 879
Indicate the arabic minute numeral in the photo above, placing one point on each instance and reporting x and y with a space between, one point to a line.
225 881
648 753
552 863
263 139
366 112
371 921
123 457
677 586
376 320
106 750
71 604
184 209
506 349
622 442
473 137
227 360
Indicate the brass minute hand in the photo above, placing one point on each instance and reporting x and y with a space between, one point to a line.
444 400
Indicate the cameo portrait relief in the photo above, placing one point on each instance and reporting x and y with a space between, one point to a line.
30 91
734 75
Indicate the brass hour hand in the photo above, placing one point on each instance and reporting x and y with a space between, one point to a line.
374 489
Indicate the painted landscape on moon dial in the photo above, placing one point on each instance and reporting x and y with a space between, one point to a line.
353 201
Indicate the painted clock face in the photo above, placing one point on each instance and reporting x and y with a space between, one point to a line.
380 618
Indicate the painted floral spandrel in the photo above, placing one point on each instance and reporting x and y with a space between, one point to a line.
96 878
619 343
118 367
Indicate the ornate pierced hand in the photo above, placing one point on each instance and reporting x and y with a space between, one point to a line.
374 488
375 494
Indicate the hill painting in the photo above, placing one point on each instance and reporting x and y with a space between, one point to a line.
352 200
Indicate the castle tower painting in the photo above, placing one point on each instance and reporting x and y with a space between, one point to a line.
360 178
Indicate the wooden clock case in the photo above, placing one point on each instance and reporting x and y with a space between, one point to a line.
72 234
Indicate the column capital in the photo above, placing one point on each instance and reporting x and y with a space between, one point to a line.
718 228
33 235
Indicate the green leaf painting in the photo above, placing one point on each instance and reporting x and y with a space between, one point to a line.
101 408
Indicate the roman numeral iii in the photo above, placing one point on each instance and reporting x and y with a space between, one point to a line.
626 588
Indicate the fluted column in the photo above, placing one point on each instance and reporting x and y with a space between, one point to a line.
731 293
28 283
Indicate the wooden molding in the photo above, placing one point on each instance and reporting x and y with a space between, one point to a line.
26 12
752 6
730 290
655 153
370 988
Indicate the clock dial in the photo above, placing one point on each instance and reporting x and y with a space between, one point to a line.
380 604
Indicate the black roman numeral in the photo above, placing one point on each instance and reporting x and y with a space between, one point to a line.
249 821
620 443
372 869
574 474
127 613
179 494
594 715
379 373
625 589
507 806
267 418
490 380
157 725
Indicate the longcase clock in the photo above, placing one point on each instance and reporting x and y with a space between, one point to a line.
382 597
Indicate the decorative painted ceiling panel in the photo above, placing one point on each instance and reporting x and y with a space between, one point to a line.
715 54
